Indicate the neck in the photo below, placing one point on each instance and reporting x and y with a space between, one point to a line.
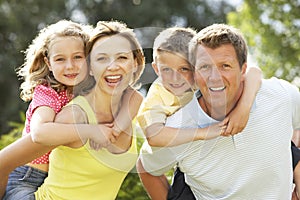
105 106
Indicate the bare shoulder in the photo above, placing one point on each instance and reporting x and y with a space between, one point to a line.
71 114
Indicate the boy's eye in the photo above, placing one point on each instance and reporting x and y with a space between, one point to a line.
202 67
184 69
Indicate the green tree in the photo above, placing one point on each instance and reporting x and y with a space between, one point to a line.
272 31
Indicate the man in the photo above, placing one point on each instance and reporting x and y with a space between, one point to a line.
256 163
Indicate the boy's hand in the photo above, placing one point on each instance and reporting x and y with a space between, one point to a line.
236 122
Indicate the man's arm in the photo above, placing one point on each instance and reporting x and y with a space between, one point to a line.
156 186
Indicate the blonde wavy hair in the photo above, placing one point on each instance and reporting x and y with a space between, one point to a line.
34 70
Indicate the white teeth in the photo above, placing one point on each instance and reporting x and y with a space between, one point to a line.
217 88
114 77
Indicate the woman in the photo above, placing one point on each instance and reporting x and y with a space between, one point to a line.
76 171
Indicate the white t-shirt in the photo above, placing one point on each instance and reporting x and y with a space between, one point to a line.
255 164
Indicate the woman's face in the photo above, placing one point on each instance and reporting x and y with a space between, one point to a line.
112 64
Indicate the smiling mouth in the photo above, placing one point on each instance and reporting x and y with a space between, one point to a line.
113 79
176 85
217 89
72 76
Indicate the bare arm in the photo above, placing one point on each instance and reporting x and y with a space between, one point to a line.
238 118
160 135
156 186
65 130
17 154
129 109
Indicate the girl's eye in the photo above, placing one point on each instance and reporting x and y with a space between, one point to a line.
78 57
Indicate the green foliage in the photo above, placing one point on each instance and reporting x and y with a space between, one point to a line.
272 31
14 134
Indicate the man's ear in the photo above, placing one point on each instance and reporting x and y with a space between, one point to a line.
155 68
47 63
244 70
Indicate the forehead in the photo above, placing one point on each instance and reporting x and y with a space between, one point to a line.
223 53
112 44
66 43
170 59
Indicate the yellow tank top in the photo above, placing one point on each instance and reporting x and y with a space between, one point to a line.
82 173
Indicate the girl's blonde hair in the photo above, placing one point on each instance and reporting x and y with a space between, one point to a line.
34 71
110 28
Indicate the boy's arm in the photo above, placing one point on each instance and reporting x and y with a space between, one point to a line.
131 102
17 154
238 117
160 136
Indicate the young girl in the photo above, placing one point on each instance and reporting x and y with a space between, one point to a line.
55 62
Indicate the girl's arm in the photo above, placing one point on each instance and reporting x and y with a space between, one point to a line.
45 132
160 136
17 154
238 118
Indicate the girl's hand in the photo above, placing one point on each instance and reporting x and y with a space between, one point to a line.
104 137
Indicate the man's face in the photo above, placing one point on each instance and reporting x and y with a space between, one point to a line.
219 77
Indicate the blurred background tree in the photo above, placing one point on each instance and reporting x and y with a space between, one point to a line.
270 27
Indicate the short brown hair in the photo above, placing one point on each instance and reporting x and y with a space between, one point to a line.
216 35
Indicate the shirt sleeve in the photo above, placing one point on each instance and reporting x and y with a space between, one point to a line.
157 160
295 102
46 96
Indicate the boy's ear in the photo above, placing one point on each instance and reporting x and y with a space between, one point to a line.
155 68
47 63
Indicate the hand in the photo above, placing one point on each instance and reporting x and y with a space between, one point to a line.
104 137
215 130
235 122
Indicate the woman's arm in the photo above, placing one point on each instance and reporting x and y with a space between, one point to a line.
17 154
130 104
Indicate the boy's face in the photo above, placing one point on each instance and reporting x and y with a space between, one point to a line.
175 72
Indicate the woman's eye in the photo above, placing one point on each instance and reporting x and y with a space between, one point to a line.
226 66
166 69
123 57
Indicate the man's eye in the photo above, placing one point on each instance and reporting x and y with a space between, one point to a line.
166 69
184 69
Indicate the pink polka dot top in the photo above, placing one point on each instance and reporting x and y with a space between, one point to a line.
45 96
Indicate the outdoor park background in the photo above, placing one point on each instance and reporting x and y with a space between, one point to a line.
271 27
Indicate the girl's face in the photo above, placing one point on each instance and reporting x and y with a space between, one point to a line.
112 64
67 61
